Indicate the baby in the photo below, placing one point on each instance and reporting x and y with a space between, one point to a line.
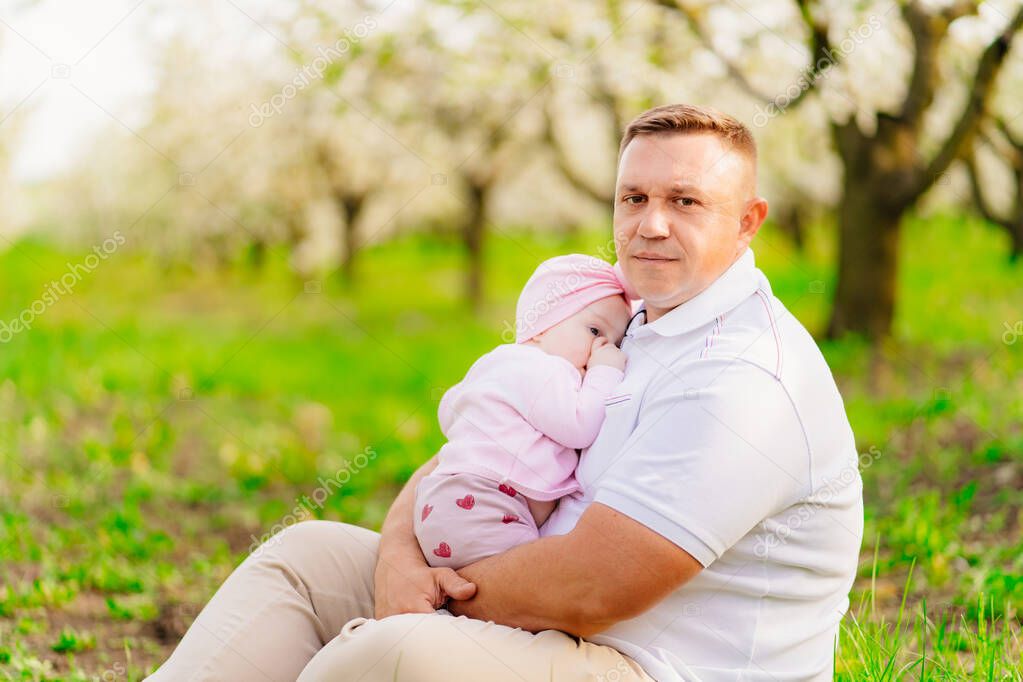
515 423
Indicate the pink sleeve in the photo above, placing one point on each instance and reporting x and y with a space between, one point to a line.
445 411
572 414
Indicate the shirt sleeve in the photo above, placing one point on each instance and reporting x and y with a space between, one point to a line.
570 413
717 448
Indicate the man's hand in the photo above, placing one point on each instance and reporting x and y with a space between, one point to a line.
415 588
603 352
403 581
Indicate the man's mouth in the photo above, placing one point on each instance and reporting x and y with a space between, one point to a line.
652 257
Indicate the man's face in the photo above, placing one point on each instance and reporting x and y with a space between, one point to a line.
684 210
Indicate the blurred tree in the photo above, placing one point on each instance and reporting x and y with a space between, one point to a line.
798 180
465 97
605 76
482 110
348 176
205 176
349 157
5 181
886 169
600 191
1007 146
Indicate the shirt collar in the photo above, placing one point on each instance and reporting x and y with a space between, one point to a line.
735 285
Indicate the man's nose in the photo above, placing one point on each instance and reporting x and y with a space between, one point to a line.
654 224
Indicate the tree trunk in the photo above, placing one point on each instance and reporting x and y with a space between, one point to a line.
867 262
792 223
1016 220
1016 235
351 205
473 233
256 257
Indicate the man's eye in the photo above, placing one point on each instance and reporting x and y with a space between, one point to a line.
594 331
687 201
629 199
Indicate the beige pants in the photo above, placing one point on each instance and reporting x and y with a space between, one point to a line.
301 607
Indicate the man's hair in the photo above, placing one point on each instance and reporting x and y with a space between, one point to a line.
687 118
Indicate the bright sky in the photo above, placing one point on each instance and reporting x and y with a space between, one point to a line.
69 68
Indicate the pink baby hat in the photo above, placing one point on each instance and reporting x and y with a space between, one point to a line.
561 287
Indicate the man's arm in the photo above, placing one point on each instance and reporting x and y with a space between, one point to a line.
741 457
607 569
404 582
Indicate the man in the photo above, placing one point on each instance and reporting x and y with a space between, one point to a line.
717 533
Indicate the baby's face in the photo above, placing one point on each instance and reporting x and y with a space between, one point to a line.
573 337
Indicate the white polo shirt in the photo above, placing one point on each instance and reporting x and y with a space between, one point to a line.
728 437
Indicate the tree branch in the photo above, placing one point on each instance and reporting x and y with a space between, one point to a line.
820 44
1000 144
822 56
986 211
733 70
605 96
565 164
927 29
988 67
1003 128
959 9
1014 156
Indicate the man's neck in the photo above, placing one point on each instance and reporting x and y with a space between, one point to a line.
653 313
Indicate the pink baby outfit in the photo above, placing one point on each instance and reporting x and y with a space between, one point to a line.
515 423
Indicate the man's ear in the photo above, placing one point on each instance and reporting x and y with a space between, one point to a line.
752 219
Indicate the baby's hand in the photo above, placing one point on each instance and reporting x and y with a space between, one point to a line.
603 352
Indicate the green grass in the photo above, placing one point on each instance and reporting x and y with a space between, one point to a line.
160 420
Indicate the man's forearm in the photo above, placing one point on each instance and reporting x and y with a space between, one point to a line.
531 586
607 569
397 537
536 586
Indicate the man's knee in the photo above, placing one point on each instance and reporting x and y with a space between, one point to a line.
435 647
303 533
411 633
310 541
370 650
